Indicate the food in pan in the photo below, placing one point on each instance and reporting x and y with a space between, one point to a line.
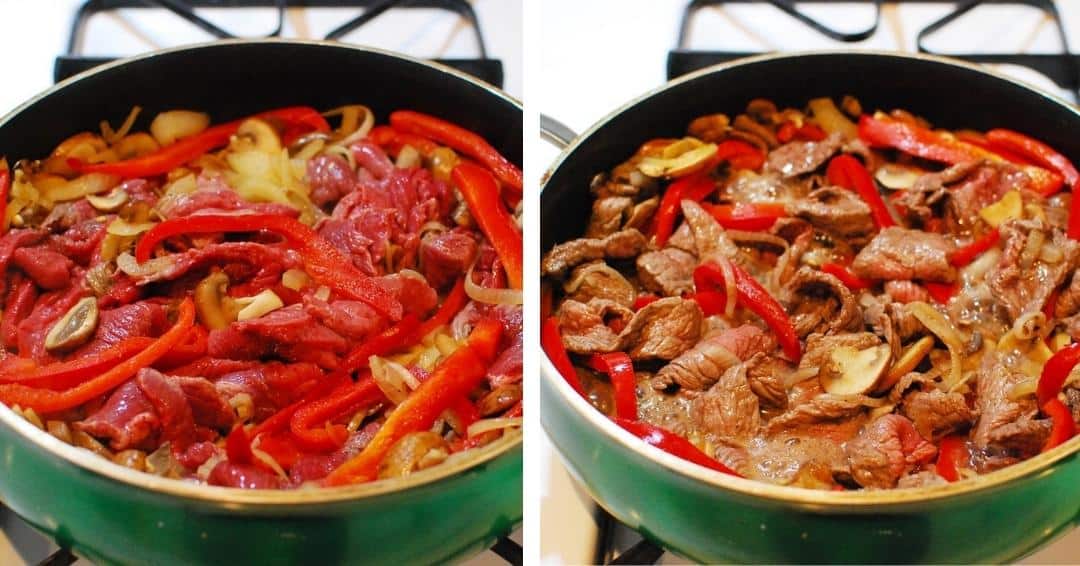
269 302
827 298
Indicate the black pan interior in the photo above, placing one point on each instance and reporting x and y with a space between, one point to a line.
949 95
238 79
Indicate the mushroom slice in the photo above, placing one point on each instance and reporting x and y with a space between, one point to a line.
893 176
908 361
75 327
110 202
855 372
679 158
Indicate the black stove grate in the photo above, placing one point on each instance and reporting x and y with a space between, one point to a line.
1063 68
73 61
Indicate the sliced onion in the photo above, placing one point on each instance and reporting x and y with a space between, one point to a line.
115 136
800 375
487 425
260 305
172 125
1025 388
392 378
490 296
975 271
729 287
266 458
125 229
203 472
79 187
936 323
243 405
126 263
356 121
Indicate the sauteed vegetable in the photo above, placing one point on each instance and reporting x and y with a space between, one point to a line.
272 302
828 298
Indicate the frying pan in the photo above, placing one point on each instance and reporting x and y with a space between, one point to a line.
113 515
713 517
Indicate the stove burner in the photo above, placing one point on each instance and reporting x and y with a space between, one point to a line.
73 62
1062 68
642 552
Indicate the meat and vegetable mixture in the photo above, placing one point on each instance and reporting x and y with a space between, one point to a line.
267 303
828 298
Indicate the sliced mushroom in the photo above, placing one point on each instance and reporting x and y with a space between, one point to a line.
262 135
897 177
415 451
679 158
172 125
909 359
110 202
855 372
75 327
212 303
500 399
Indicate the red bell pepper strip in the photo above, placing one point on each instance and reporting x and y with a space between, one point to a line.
882 131
454 377
620 370
1064 427
64 375
750 294
212 368
979 140
849 279
747 216
551 342
482 195
393 140
20 302
1055 371
967 254
238 446
807 132
451 305
673 444
192 348
180 152
740 154
942 293
47 401
282 448
643 300
952 454
1036 151
323 262
711 302
311 423
692 187
848 172
460 139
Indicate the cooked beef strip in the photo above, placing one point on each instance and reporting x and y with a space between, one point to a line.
821 303
898 253
903 291
819 347
710 239
670 411
1020 283
836 210
584 285
885 450
799 157
619 245
766 375
802 461
981 188
996 378
668 272
660 330
728 409
585 326
936 414
837 417
699 367
1068 301
607 216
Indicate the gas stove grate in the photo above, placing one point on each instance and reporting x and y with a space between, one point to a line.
73 61
1062 68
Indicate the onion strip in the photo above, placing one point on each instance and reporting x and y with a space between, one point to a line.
490 296
111 136
936 323
729 286
487 425
393 379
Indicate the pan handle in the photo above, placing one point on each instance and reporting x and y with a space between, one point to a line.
555 132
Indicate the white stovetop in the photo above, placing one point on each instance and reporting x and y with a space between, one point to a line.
599 54
34 32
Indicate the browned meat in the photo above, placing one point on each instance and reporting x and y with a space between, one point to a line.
936 414
1072 399
908 381
819 347
766 376
824 416
50 270
660 330
996 411
728 409
700 367
800 157
668 272
608 215
932 182
983 187
1068 302
898 253
596 280
1024 437
620 245
642 213
903 291
886 449
837 211
589 328
709 237
821 303
1021 283
747 186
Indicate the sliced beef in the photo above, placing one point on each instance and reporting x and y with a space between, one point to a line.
208 408
1068 302
414 293
1024 437
313 467
766 374
330 178
1022 281
289 333
669 411
729 409
214 195
819 302
81 243
608 215
925 199
710 239
748 186
660 330
268 261
446 256
819 347
48 309
829 416
171 405
507 369
599 281
49 269
66 215
984 186
126 420
620 245
799 157
668 272
996 379
243 476
936 413
898 253
837 211
906 291
593 327
702 365
885 450
921 479
351 319
270 386
130 321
